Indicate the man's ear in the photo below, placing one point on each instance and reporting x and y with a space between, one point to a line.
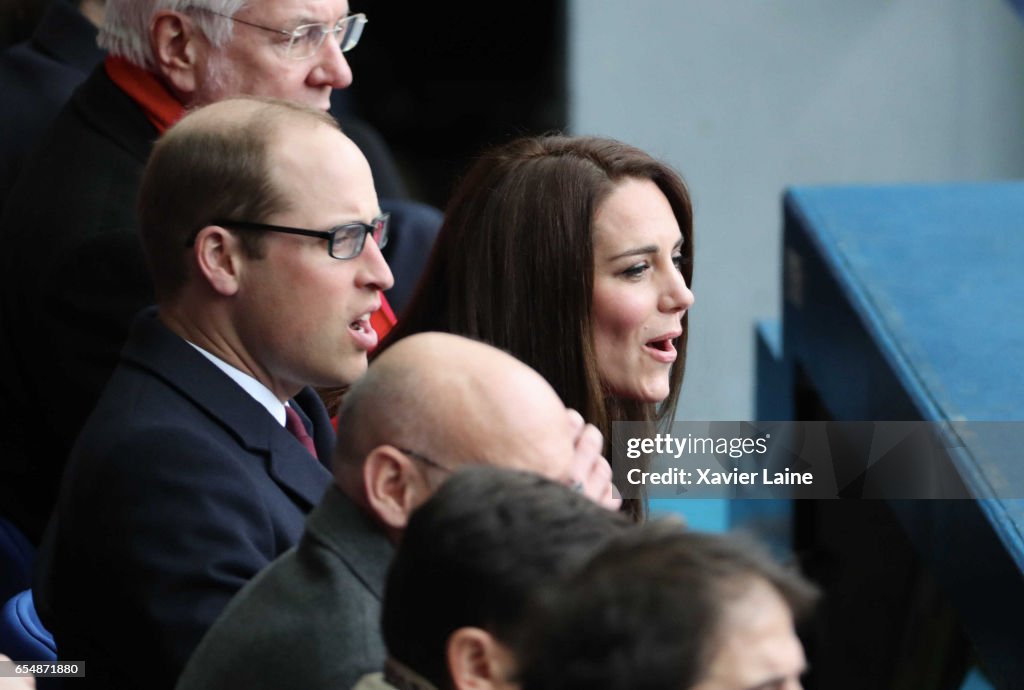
477 661
218 257
393 486
175 40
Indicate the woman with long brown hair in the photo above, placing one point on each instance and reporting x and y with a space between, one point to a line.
575 255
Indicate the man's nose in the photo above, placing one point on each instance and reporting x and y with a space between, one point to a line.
332 66
374 270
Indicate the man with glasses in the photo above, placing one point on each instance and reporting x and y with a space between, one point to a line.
72 274
427 406
208 447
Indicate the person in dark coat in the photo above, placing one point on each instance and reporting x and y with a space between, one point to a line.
208 446
432 405
72 275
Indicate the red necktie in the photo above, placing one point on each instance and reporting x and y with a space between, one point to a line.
294 424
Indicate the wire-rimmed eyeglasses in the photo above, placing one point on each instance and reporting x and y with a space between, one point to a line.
425 460
305 40
343 241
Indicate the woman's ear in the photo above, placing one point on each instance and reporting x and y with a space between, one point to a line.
393 486
477 661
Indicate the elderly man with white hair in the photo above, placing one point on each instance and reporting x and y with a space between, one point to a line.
72 276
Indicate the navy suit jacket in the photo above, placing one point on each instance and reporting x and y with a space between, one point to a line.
179 490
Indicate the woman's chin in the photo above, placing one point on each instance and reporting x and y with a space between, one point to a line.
654 394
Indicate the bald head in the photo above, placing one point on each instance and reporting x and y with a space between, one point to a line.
456 401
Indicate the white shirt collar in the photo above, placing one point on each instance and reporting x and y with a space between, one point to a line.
263 395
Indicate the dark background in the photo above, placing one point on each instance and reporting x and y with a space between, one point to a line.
440 81
17 17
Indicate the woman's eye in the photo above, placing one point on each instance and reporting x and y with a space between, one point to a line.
636 270
679 260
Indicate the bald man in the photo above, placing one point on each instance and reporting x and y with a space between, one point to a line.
430 404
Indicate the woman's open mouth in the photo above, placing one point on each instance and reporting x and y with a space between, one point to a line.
662 349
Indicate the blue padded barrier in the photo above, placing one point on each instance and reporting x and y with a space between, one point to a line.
22 635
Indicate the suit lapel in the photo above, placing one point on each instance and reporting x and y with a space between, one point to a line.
308 404
171 359
292 467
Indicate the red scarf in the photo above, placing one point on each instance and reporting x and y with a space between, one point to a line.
142 86
163 110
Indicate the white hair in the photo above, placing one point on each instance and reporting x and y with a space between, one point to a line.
125 30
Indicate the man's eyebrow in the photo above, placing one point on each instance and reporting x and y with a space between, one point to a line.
306 19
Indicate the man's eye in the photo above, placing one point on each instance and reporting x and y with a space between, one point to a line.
345 238
310 35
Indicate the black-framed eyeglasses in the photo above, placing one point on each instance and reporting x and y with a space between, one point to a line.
304 41
343 241
425 460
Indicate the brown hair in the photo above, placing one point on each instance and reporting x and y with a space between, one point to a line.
208 168
514 263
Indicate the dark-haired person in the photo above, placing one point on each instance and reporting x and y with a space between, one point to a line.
575 255
665 609
208 446
469 562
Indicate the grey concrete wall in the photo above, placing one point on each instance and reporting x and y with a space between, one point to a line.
746 97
